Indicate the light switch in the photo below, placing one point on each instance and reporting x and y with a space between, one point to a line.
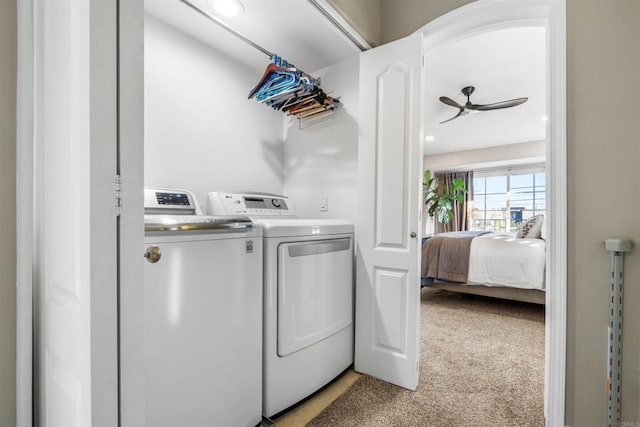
324 204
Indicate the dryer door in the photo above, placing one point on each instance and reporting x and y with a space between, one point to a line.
315 291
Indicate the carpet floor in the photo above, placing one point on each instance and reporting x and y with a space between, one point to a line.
481 364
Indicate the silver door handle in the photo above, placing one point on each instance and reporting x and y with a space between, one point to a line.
413 234
153 254
320 247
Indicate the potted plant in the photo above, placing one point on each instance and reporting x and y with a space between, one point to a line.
439 199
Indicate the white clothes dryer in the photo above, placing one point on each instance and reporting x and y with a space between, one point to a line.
203 315
308 296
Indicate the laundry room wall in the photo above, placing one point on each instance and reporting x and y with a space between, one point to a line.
201 132
321 160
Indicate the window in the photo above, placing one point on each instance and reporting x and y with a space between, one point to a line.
503 199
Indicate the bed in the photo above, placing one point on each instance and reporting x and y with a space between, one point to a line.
489 264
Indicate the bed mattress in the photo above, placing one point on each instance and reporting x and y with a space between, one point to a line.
503 260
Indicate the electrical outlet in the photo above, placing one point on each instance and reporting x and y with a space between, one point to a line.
324 204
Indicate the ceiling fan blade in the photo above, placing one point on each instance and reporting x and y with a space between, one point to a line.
451 102
497 105
462 112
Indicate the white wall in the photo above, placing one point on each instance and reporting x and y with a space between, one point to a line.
8 43
503 155
322 159
603 151
402 17
363 16
201 132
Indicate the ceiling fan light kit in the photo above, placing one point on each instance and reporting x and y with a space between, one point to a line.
469 107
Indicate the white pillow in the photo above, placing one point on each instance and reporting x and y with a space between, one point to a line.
530 229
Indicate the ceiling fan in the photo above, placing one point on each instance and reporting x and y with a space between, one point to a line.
464 109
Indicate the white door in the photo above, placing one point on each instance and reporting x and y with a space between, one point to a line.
75 264
390 163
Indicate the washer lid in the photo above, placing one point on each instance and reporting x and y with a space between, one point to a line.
303 227
196 224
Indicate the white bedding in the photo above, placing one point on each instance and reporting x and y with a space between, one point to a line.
503 260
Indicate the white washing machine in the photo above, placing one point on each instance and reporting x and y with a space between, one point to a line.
308 296
203 315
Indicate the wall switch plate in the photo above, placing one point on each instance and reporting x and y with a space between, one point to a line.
324 204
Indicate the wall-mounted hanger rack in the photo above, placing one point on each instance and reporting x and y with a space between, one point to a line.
285 88
282 86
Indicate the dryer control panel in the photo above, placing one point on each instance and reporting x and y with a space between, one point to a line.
252 204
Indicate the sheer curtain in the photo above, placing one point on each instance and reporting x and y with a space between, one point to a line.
462 211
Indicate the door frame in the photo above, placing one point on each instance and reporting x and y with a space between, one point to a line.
475 15
24 223
478 17
91 302
131 221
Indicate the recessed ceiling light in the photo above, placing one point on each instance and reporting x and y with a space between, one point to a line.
544 118
228 8
429 138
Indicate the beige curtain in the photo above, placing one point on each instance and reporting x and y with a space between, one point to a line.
462 211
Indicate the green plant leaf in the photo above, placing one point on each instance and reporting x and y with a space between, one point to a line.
427 177
443 216
440 198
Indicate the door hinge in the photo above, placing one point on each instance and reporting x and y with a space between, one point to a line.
118 188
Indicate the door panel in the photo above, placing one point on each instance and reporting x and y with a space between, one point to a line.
391 321
64 393
392 146
75 322
387 281
62 268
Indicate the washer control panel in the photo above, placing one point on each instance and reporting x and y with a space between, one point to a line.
166 201
252 204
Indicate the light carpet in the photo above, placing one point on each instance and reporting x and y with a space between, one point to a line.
481 364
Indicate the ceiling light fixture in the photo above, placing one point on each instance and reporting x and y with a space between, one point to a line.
544 118
228 8
429 138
